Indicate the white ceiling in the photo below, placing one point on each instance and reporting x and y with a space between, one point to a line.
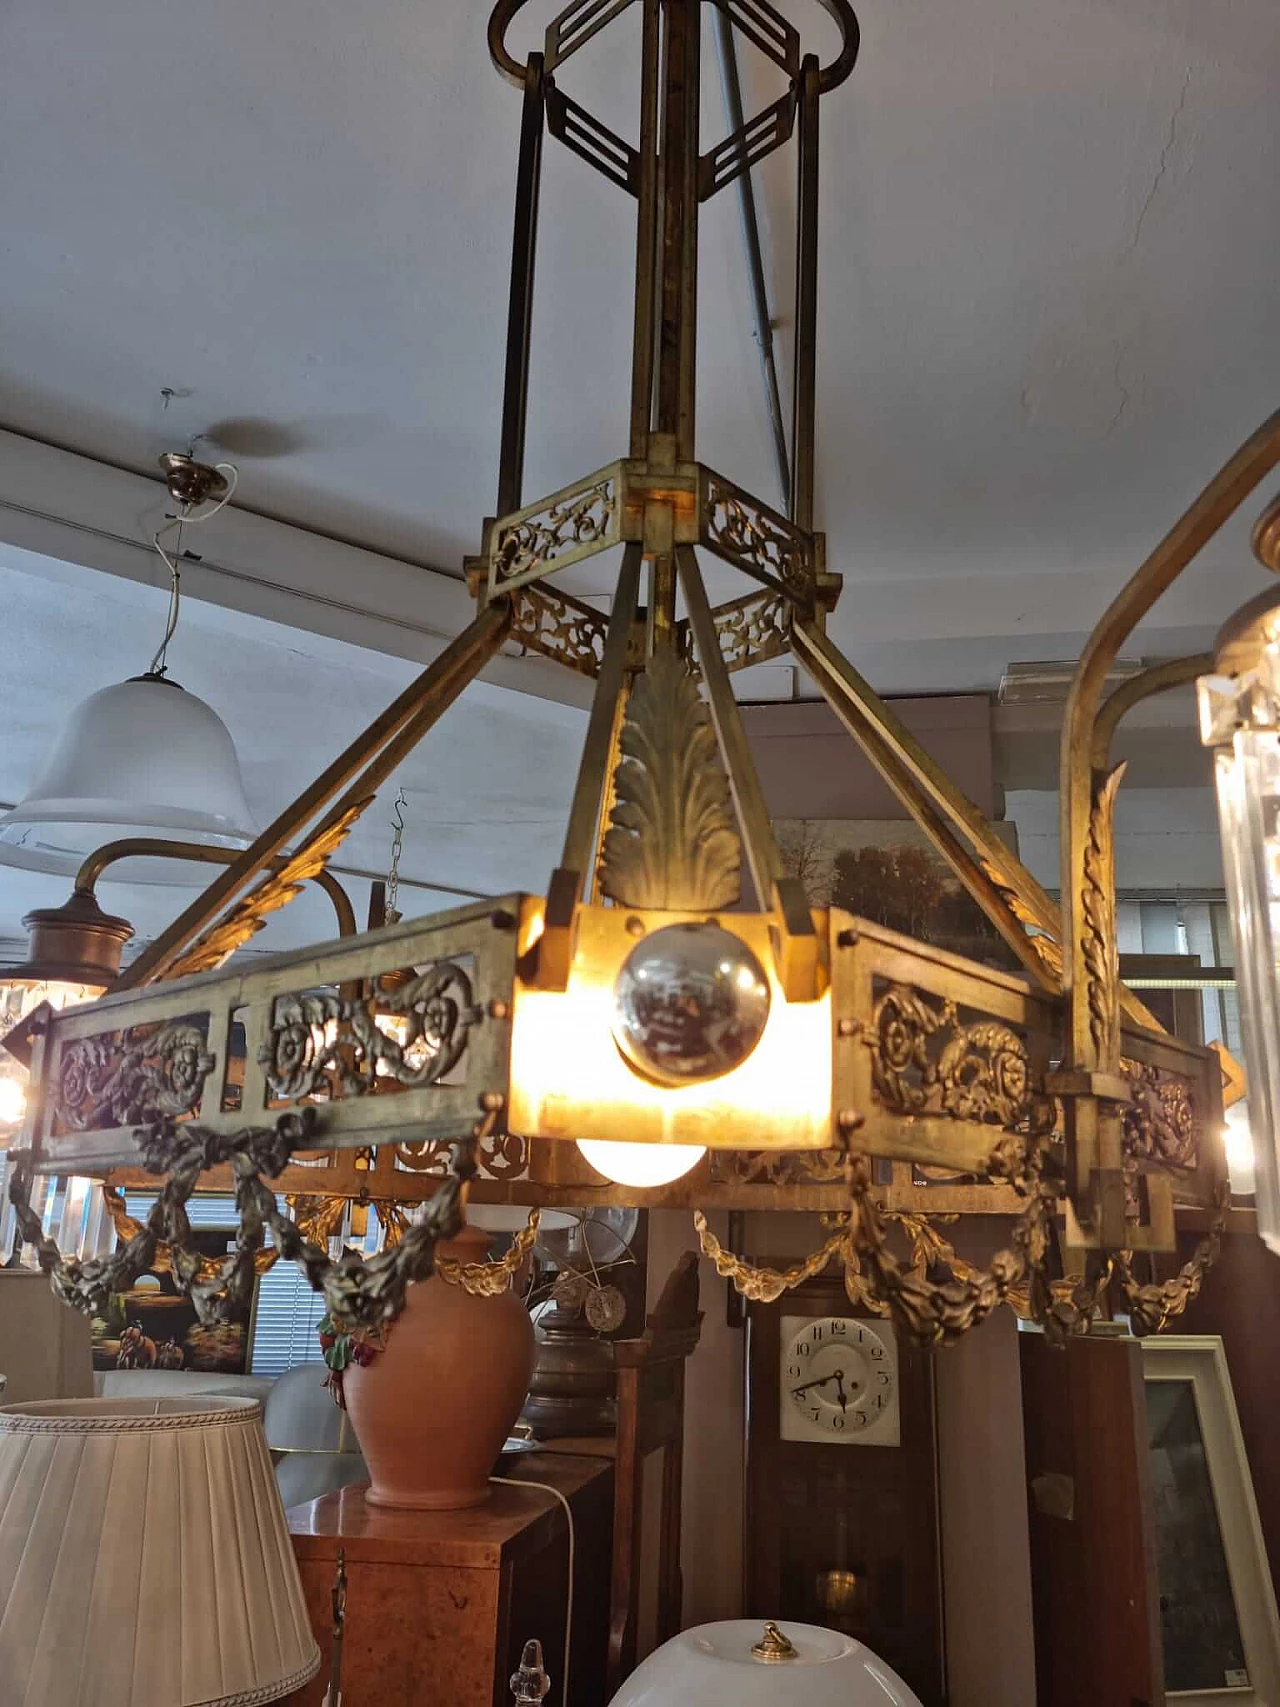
1048 285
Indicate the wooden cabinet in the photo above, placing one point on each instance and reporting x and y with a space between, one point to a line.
1094 1590
439 1604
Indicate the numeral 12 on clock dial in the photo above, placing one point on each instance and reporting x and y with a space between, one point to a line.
838 1381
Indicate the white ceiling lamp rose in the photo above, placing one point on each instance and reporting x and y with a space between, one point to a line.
142 757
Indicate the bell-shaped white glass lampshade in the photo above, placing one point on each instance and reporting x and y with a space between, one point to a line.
1240 719
141 758
802 1665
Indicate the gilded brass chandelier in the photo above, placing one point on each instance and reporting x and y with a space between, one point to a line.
673 992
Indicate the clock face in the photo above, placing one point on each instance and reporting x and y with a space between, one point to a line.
838 1381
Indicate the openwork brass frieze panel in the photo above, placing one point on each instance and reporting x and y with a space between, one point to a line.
397 1036
925 1060
1160 1124
500 1156
570 525
124 1078
321 1044
756 539
751 630
559 626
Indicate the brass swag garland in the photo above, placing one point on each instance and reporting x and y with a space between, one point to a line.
937 1296
360 1293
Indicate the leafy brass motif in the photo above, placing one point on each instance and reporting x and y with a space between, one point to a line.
276 890
560 627
750 630
672 842
528 546
1100 948
1047 947
320 1042
126 1079
924 1061
745 533
1160 1123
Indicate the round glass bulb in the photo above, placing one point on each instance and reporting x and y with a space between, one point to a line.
641 1164
690 1003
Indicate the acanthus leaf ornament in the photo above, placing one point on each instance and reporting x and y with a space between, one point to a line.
276 890
1101 953
672 843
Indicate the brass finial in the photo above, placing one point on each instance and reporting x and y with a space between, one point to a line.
773 1647
1266 537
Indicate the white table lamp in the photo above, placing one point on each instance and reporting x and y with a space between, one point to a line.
144 1559
756 1665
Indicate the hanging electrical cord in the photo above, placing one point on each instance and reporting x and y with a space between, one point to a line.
187 514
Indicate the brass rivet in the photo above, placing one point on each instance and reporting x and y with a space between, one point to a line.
848 1119
635 926
847 939
498 1010
847 1027
491 1101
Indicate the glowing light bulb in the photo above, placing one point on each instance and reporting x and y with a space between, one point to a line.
641 1164
1239 1146
13 1102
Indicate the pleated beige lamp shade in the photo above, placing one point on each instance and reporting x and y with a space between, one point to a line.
144 1559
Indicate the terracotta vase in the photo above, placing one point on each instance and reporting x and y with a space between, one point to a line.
433 1410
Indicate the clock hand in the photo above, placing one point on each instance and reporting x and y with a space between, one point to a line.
840 1393
820 1382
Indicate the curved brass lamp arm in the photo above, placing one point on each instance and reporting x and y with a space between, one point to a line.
1091 1082
1173 673
158 847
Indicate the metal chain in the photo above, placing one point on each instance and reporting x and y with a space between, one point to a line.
397 848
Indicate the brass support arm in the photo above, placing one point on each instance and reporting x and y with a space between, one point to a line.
1091 971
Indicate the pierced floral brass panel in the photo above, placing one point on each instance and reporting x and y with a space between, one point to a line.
1160 1123
936 1059
559 530
751 630
559 626
321 1044
926 1060
323 1027
125 1078
756 539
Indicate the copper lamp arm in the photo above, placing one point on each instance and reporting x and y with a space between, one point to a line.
158 847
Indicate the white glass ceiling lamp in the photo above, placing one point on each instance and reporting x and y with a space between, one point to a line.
142 758
1240 720
738 1661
